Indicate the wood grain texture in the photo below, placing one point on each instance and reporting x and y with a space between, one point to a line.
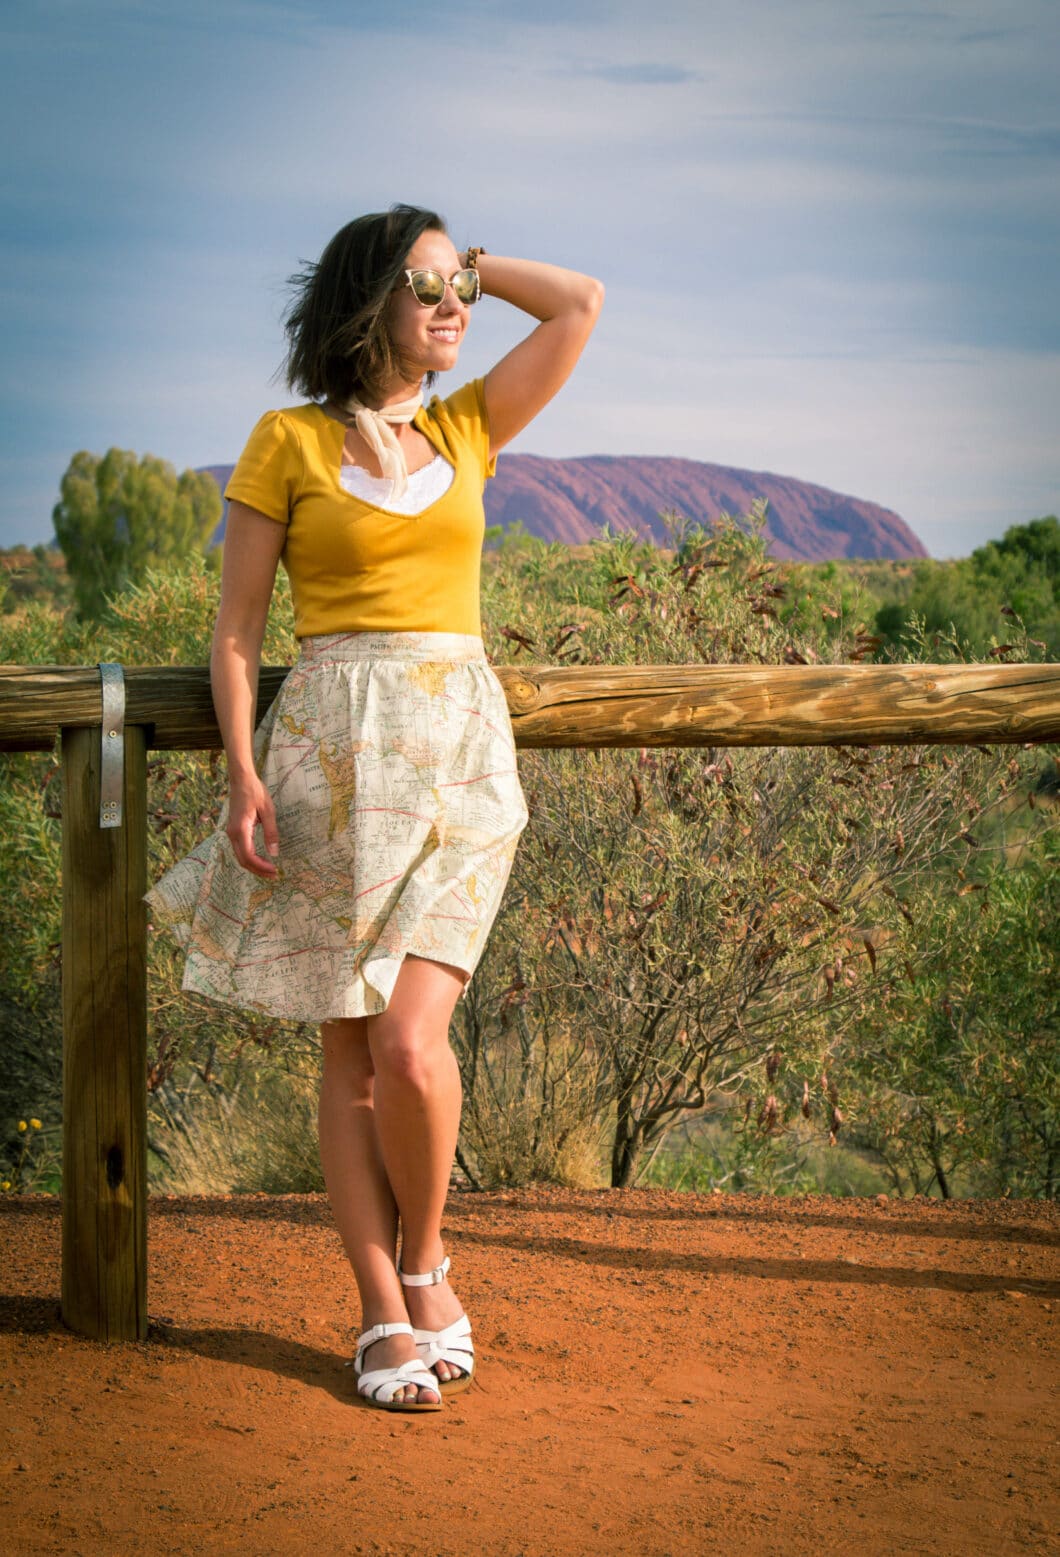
172 702
788 705
608 705
104 1258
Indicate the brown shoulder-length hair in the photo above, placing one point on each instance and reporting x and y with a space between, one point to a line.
338 341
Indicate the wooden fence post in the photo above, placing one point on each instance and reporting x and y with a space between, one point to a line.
104 1259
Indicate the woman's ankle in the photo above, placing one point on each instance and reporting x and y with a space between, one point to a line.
421 1259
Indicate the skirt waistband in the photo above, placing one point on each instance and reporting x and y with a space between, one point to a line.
391 646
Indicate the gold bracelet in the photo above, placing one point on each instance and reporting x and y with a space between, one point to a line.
472 257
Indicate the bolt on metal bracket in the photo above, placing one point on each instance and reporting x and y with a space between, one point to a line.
112 747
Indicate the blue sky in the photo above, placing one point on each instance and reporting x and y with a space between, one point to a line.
829 229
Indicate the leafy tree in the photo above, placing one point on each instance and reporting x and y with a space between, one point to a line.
1036 545
1022 571
119 516
974 601
956 1070
686 922
166 619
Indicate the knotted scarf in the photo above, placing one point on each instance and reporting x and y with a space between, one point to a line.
376 428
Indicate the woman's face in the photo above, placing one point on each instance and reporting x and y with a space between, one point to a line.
427 339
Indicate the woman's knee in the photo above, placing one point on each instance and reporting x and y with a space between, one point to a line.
408 1053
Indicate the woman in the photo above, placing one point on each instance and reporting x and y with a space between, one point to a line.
372 820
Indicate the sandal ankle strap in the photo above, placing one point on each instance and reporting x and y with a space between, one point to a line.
430 1279
380 1333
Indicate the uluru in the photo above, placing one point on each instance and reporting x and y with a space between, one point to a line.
570 500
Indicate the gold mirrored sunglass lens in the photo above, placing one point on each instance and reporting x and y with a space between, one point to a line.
429 285
465 284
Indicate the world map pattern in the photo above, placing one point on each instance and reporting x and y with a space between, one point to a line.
391 764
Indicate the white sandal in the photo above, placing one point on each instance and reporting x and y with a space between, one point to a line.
380 1385
452 1345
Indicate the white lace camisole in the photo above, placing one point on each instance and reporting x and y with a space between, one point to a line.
425 487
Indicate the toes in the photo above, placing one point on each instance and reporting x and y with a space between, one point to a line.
411 1395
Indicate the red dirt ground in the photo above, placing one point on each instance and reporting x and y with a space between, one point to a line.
659 1374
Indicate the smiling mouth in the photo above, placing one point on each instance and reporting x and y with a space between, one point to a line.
445 335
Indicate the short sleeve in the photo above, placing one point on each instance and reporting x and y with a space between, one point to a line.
269 469
466 413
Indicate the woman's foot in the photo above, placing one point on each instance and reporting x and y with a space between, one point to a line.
434 1306
391 1352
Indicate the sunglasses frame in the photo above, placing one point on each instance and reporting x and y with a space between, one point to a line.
429 270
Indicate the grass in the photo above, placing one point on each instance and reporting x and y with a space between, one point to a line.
260 1136
711 1154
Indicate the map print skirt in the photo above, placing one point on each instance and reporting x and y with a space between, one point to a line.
390 760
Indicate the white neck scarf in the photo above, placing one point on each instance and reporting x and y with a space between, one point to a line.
376 430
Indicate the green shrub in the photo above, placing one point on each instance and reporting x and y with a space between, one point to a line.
756 947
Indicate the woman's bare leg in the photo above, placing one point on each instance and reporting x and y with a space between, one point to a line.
388 1118
362 1201
417 1119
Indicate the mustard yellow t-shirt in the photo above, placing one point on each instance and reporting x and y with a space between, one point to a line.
358 568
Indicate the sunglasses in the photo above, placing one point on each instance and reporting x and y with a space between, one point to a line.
428 286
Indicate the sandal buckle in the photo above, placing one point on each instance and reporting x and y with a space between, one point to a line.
431 1278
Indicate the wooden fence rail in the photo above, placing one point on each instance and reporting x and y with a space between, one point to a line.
788 705
104 1258
611 705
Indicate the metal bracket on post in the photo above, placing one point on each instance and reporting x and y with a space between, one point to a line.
112 752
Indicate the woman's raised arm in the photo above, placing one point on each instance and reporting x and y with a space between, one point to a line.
567 304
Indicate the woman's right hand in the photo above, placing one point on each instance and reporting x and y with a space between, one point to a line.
253 543
249 804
